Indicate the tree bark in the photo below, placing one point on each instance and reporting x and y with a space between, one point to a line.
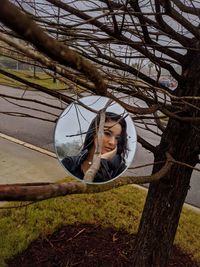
166 197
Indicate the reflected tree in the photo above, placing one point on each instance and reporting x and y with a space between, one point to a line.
65 149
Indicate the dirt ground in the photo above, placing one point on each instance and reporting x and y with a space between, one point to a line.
86 246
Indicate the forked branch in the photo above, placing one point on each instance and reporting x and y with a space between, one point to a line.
20 23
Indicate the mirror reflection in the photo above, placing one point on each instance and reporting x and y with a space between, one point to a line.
95 139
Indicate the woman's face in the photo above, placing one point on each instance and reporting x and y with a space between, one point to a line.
112 132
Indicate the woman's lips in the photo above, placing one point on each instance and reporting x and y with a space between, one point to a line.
108 149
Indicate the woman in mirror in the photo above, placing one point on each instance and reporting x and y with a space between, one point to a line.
113 151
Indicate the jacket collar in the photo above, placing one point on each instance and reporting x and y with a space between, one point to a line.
81 157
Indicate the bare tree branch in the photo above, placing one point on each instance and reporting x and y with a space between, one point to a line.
46 62
57 95
91 172
44 191
25 27
187 9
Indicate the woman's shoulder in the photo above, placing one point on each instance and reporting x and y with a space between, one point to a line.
70 161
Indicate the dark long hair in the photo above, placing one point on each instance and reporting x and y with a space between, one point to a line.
110 116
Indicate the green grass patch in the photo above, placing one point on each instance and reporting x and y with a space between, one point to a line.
41 78
188 233
120 208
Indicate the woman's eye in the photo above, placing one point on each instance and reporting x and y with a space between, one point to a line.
107 133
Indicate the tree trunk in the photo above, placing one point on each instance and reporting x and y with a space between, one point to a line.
166 197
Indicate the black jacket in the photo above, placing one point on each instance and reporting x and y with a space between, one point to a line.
108 170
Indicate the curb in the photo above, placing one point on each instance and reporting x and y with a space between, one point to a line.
185 205
51 154
192 208
28 145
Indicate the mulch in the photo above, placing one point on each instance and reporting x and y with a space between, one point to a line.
86 246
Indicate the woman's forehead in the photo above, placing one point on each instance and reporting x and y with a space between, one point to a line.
113 126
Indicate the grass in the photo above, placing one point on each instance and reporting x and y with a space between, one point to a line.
42 79
120 208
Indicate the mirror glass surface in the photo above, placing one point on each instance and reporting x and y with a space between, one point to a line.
75 139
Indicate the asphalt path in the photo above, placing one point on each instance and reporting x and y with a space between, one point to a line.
37 132
41 133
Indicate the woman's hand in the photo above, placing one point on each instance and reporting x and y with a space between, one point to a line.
109 155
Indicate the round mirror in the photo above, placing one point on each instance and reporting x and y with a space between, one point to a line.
95 139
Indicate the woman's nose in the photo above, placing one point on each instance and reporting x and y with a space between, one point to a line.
112 141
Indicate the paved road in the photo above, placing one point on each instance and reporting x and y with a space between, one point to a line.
41 133
31 130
